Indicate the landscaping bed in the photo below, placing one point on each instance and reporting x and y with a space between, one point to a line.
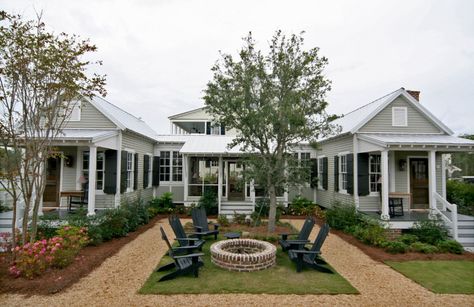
55 280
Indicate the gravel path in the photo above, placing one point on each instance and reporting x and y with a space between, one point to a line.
117 280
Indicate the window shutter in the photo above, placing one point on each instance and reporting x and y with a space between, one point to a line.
156 172
222 129
325 173
146 168
110 172
314 173
363 173
208 127
135 172
336 173
350 173
123 172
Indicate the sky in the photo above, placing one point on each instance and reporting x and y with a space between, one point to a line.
157 54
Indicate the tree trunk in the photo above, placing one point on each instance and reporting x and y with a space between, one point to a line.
26 217
273 207
15 202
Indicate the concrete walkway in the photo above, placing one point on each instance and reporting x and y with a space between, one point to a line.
117 280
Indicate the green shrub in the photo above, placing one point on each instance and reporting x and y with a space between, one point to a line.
262 209
430 231
407 238
424 248
301 206
370 232
162 204
450 246
239 219
341 216
396 247
461 194
209 201
222 220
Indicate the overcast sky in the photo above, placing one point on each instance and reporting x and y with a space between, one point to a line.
157 54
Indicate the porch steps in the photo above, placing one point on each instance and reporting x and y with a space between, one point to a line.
466 232
230 208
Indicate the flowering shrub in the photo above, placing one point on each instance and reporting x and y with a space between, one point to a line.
32 259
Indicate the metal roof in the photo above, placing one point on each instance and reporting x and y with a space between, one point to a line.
85 134
416 139
201 143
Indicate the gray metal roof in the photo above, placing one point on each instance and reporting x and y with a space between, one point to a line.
417 139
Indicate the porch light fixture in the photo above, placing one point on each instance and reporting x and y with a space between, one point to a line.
402 164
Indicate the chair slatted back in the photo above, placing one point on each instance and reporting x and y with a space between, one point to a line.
178 229
165 238
306 229
318 243
200 218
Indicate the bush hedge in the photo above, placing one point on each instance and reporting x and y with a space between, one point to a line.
461 194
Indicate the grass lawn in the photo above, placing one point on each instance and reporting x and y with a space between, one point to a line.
280 279
453 277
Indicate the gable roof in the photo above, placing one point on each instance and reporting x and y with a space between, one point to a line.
186 113
353 121
121 118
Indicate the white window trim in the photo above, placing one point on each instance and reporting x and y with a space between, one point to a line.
394 124
320 171
131 151
341 190
171 167
370 192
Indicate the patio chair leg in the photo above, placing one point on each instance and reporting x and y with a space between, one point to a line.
169 276
166 267
320 268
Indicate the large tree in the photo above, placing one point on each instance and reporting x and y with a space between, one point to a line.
42 76
274 100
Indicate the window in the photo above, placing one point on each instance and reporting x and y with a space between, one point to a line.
150 168
171 166
374 173
399 117
203 175
100 166
343 173
129 170
74 110
320 173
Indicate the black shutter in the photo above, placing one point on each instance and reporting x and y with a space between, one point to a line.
222 129
135 172
156 172
350 173
363 173
146 168
325 173
110 172
336 173
208 128
314 173
123 172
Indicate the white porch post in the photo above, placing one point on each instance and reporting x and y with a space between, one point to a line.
385 212
92 175
432 180
356 172
185 176
119 171
252 193
219 182
443 177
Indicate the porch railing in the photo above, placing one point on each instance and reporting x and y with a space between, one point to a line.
453 209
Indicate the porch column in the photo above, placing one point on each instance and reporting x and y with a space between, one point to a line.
385 212
185 177
92 175
356 172
432 180
119 171
252 193
219 182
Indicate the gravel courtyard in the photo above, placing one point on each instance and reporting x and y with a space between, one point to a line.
117 280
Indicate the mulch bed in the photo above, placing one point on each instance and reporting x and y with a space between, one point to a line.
55 280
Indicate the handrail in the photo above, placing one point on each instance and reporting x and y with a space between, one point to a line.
453 208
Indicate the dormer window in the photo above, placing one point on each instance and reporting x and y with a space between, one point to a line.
75 111
399 117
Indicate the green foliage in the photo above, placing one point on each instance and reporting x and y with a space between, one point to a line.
424 248
370 232
342 217
396 247
262 209
407 238
461 194
302 206
4 208
239 219
222 220
450 246
162 204
209 201
430 231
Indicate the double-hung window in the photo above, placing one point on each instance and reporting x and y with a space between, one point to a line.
150 168
343 173
129 170
171 166
320 173
374 173
100 166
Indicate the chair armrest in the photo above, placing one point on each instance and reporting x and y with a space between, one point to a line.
198 228
300 251
189 256
297 241
189 247
187 239
285 235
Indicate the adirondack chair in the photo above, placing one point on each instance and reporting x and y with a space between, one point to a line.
201 225
302 238
186 243
311 257
184 264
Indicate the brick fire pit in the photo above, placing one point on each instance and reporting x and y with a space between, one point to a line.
243 255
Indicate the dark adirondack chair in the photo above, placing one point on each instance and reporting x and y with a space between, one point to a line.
302 238
185 242
184 264
311 257
201 225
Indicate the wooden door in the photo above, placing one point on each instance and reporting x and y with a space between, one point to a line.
419 185
236 181
51 191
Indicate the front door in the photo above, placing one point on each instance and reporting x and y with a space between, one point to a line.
51 191
419 186
236 181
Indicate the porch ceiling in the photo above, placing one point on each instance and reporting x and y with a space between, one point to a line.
432 140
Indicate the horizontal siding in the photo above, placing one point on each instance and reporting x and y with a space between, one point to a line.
331 149
177 190
417 122
90 118
370 203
